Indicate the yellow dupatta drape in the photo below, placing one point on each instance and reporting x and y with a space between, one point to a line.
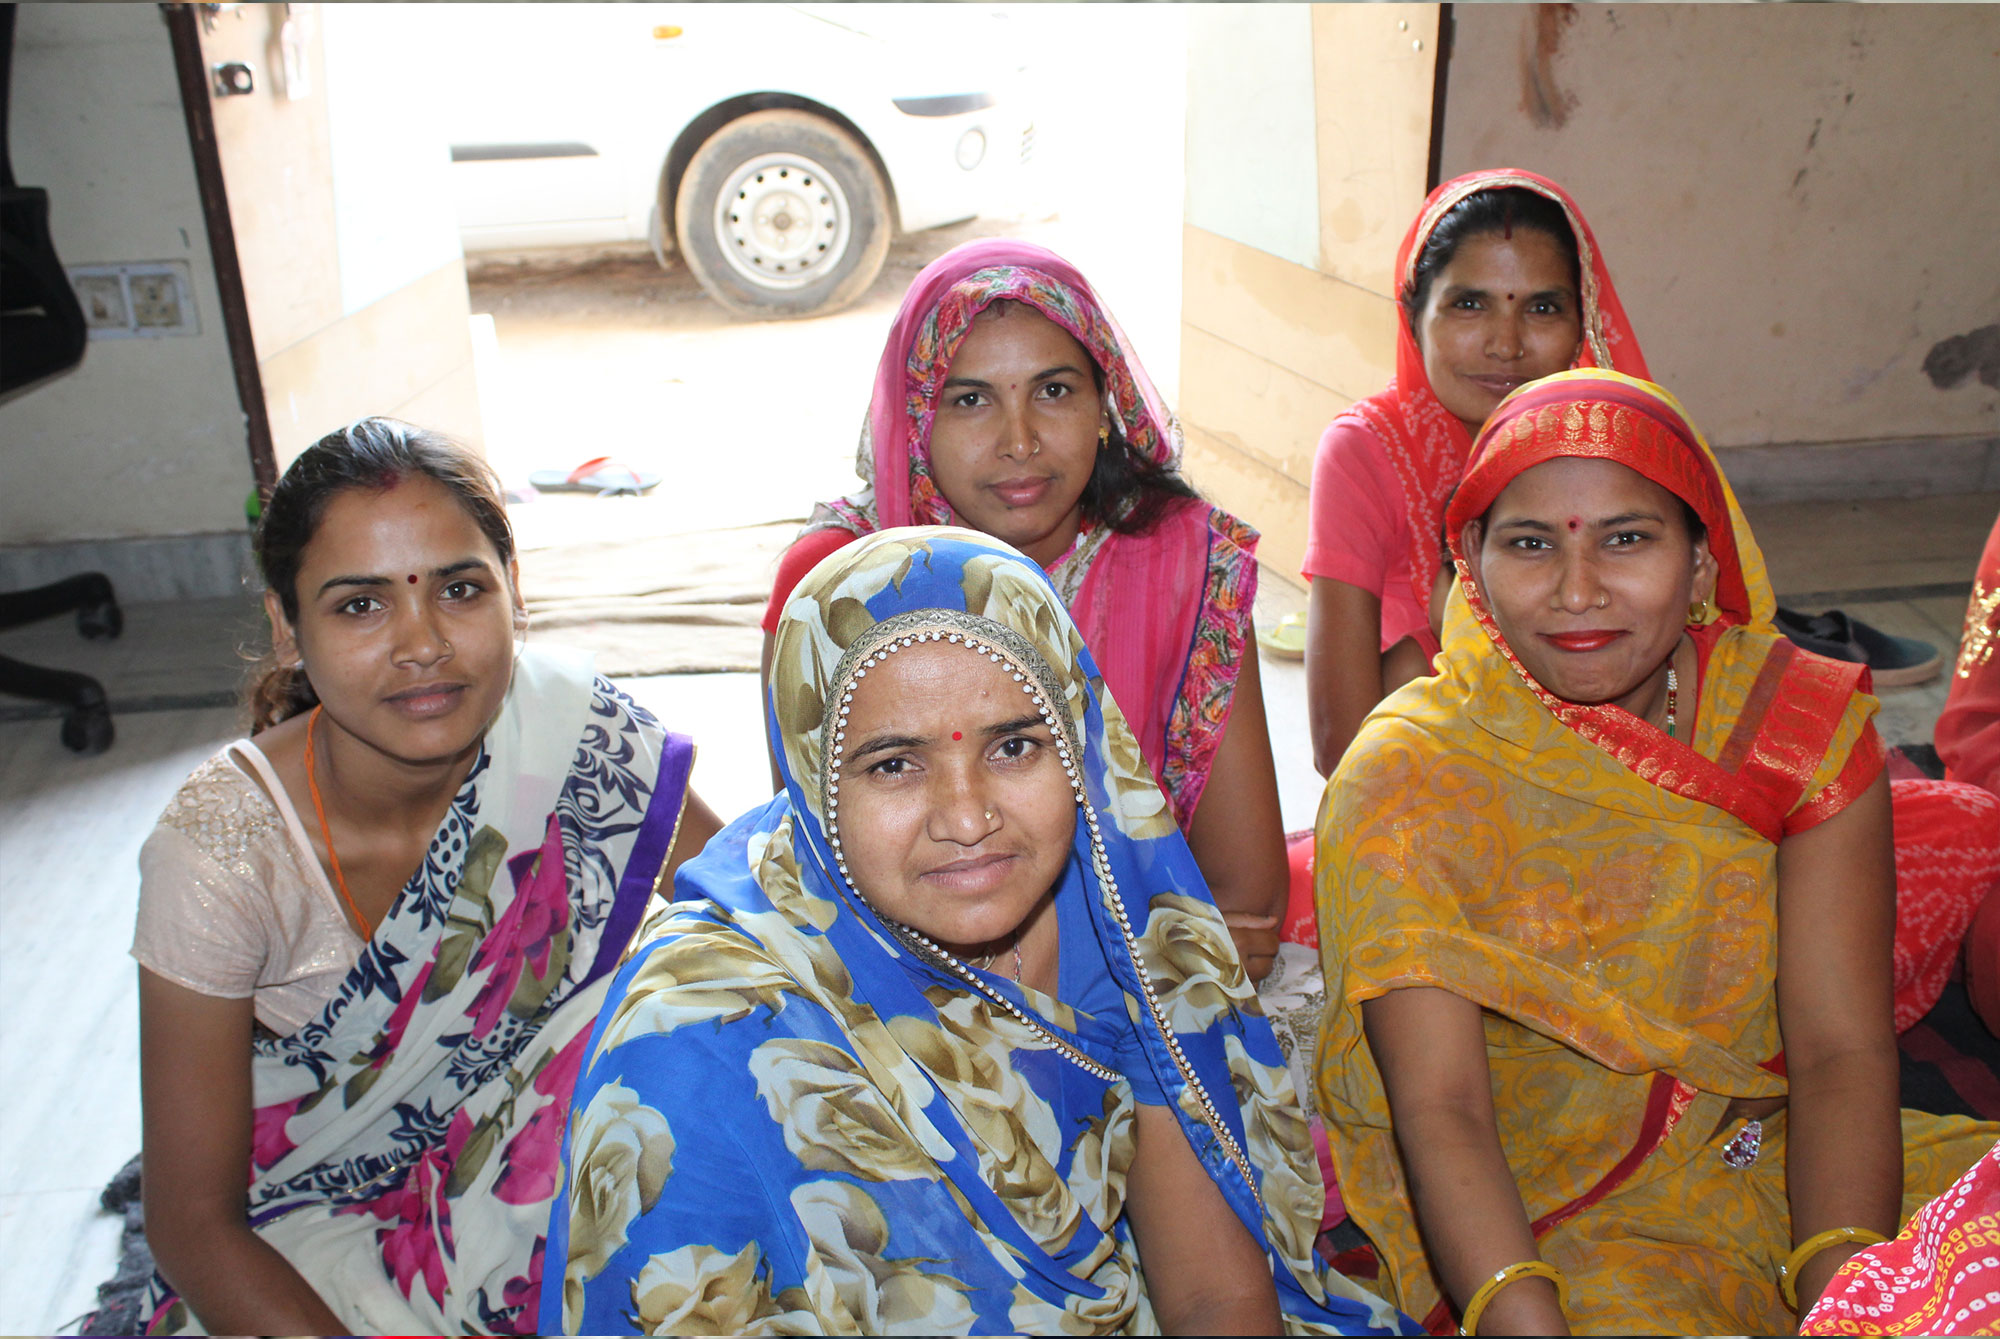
1607 894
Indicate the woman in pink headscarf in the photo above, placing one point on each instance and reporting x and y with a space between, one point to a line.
1007 400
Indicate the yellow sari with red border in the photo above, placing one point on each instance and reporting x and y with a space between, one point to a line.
1608 895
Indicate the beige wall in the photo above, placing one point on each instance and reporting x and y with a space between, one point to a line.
341 205
344 232
1273 348
1798 202
146 438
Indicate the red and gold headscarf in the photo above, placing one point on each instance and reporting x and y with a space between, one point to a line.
1794 700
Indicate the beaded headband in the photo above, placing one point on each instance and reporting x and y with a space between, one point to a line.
997 642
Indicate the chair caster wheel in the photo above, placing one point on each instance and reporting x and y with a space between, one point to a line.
87 730
100 622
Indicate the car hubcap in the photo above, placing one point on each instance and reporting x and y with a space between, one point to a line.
783 222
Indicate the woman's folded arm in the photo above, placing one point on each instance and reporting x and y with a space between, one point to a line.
1430 1046
195 1079
1204 1271
1836 921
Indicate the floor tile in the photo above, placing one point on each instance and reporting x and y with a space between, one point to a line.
58 1245
1299 786
69 1036
722 713
1838 546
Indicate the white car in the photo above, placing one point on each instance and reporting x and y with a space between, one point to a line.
775 147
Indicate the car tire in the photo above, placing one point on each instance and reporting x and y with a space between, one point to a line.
783 214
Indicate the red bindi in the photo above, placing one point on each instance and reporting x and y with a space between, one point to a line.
413 578
1575 524
956 734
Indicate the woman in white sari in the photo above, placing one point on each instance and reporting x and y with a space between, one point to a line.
373 936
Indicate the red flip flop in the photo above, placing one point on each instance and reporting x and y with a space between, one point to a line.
603 476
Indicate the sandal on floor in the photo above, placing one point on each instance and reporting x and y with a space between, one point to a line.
1895 662
602 476
1286 639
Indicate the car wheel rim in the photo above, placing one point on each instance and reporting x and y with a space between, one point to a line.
783 221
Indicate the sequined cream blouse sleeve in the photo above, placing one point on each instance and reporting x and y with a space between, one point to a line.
227 906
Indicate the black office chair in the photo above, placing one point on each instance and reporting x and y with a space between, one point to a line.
41 337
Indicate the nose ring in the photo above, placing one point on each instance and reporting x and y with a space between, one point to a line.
989 815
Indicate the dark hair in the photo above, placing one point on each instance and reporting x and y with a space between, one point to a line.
1696 527
1501 210
373 453
1126 491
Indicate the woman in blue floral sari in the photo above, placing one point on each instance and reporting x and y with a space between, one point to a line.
373 936
949 1037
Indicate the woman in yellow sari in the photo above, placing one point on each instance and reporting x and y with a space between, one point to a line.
1607 908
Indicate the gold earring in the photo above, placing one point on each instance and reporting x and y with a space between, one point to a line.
1103 436
1698 611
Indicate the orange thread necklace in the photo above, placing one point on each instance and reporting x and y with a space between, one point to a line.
326 833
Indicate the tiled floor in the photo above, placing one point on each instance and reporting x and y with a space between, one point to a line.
71 828
69 1040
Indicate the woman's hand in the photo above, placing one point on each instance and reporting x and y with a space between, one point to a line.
1256 940
1430 1046
1236 835
1836 925
1204 1272
1343 666
698 824
195 1084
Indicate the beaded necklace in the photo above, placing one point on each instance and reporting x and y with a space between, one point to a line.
326 833
1015 654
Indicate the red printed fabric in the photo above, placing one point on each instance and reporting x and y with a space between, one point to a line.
1968 730
1947 863
1941 1275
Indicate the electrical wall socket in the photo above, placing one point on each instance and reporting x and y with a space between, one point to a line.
140 300
103 299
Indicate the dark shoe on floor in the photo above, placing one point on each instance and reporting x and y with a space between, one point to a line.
1895 662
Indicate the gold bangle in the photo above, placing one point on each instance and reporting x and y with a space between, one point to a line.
1483 1295
1788 1273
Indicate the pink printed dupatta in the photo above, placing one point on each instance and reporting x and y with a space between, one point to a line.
1425 443
1165 612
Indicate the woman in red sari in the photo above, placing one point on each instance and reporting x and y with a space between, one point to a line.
1501 282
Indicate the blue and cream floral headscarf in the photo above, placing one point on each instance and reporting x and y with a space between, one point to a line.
802 1117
